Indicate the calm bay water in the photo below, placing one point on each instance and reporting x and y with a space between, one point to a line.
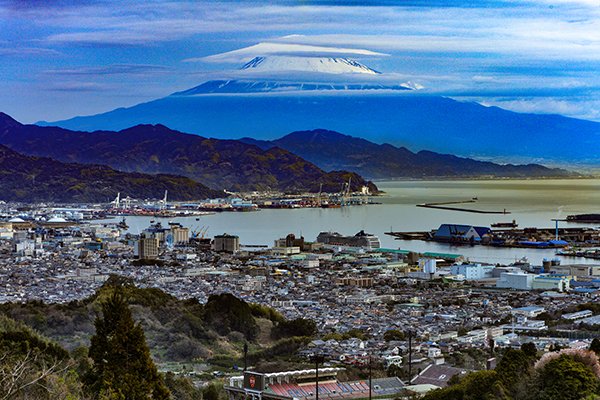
531 203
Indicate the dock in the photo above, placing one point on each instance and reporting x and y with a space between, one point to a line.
529 237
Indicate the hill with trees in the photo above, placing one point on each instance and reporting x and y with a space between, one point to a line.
156 149
36 179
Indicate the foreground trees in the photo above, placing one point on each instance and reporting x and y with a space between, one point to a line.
122 367
31 367
565 375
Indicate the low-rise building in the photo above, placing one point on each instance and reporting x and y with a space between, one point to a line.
513 280
472 272
551 282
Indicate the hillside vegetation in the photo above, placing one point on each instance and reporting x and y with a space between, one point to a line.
36 179
156 149
176 330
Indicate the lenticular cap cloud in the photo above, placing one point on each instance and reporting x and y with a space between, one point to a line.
284 49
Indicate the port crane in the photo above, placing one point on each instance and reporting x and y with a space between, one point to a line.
117 201
199 233
346 192
163 202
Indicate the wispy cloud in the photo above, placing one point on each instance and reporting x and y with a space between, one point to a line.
76 87
28 52
115 69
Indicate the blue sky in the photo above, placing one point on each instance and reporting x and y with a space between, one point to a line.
59 59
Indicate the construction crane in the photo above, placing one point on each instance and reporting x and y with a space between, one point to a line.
117 201
164 201
346 192
319 197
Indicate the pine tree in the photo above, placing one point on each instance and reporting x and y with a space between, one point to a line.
122 366
595 346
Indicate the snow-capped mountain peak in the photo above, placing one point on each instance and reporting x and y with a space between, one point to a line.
330 65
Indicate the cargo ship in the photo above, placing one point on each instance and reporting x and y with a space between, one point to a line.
361 239
584 218
512 224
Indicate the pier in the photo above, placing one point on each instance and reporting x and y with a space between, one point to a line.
447 205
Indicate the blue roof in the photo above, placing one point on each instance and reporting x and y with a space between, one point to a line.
532 243
585 290
460 230
558 242
481 230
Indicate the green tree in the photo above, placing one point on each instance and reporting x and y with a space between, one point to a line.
481 385
393 334
514 367
295 327
122 367
32 367
226 313
595 346
564 378
211 392
529 349
182 388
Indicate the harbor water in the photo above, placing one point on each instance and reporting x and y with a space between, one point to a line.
532 203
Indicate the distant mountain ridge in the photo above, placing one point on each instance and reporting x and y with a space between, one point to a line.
222 164
36 179
333 150
400 117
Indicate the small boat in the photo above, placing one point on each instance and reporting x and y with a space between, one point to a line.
512 224
123 224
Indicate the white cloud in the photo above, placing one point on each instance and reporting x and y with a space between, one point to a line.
285 49
547 105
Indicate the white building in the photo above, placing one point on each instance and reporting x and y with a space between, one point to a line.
578 315
472 272
518 281
548 282
529 311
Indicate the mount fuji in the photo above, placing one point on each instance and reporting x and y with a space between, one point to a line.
329 65
275 93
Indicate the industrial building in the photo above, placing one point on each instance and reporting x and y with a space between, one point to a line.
147 248
180 234
461 233
226 243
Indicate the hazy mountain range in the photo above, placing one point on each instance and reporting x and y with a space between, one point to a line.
333 150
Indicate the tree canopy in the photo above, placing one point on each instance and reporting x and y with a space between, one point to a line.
122 367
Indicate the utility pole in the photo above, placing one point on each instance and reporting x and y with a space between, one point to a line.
370 377
317 358
245 356
410 335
